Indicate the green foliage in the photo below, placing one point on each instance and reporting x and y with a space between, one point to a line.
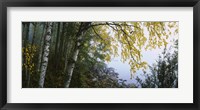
164 73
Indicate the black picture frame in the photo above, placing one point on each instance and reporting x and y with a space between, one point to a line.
99 3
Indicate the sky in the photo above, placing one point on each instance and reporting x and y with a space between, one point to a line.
124 68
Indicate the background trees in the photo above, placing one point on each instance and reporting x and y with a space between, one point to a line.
164 73
73 54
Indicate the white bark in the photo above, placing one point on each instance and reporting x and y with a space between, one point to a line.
45 55
71 65
71 68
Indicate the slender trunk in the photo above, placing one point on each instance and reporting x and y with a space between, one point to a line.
23 33
57 45
25 46
57 37
59 56
32 43
26 34
34 32
62 39
69 46
41 48
45 54
71 66
27 41
24 29
53 35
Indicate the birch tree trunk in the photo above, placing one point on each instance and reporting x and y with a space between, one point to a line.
41 49
45 54
71 66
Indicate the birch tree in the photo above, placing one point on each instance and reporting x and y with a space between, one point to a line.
81 32
45 54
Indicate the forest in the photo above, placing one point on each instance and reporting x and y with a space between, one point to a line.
77 54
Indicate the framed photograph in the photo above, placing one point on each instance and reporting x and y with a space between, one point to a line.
64 54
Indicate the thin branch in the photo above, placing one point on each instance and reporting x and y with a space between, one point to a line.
97 33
